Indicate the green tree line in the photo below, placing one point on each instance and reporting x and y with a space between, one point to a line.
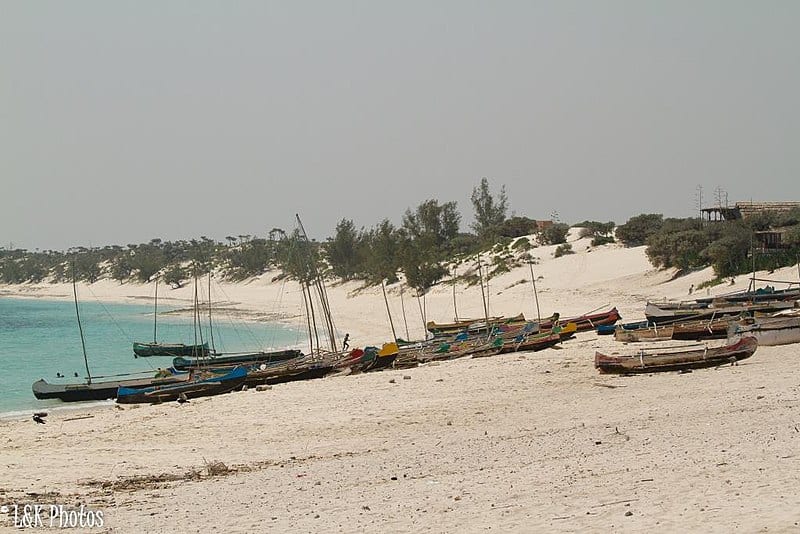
428 238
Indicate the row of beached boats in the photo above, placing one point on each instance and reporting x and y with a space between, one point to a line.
211 373
767 317
745 320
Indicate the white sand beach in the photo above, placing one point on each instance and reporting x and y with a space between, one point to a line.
523 442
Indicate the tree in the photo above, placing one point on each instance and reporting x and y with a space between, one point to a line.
342 250
728 251
174 276
682 249
146 260
298 257
121 268
248 259
490 213
635 232
381 254
432 225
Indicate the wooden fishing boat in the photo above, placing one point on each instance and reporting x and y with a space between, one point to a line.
473 348
701 330
768 331
155 348
646 333
474 326
100 390
610 329
532 343
384 358
675 359
218 360
169 349
198 386
587 321
305 367
566 331
370 359
672 312
759 295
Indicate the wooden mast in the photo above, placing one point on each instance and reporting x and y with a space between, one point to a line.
197 329
388 312
323 295
535 293
483 295
308 318
455 306
403 307
80 327
155 315
210 324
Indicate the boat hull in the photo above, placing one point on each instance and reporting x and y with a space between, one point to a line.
182 363
144 350
97 390
675 360
768 332
190 389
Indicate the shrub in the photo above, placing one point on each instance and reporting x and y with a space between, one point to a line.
562 250
555 234
602 240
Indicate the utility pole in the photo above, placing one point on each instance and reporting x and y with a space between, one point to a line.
698 198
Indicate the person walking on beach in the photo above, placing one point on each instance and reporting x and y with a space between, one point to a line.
345 343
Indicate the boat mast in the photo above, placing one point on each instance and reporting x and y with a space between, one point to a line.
308 319
483 295
323 295
403 307
422 316
155 315
752 285
455 307
535 293
210 325
80 328
389 313
197 330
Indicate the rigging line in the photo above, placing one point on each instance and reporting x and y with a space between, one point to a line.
116 323
248 326
235 326
113 320
279 299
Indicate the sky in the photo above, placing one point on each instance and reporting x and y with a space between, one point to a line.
121 122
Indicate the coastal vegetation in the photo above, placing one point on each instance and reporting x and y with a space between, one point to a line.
425 248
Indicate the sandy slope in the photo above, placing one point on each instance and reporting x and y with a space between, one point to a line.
533 442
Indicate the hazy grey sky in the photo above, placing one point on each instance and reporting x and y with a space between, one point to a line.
125 121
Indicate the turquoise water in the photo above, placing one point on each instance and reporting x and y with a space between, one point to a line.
39 338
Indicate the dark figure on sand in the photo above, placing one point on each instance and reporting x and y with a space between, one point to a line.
345 343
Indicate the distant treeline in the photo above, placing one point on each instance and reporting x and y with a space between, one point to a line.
428 239
430 235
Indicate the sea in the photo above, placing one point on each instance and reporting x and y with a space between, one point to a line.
41 339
